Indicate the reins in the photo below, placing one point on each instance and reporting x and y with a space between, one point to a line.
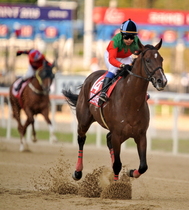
148 73
35 90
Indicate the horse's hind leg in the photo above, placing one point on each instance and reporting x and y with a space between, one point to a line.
82 129
16 114
109 144
79 165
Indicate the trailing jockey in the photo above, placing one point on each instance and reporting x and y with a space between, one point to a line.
36 60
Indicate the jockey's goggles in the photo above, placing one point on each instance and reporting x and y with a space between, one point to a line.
128 36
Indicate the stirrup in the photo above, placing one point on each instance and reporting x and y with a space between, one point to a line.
103 97
147 96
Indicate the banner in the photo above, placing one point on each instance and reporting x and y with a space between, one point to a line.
103 15
48 30
34 13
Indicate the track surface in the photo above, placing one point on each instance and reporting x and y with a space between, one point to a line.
164 186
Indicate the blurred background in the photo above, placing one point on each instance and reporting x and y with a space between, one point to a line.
76 33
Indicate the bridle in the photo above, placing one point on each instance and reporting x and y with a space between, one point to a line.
148 73
34 89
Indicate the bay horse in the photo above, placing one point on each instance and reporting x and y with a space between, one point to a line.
125 114
33 99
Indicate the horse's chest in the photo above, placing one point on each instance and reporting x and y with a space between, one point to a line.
133 121
40 105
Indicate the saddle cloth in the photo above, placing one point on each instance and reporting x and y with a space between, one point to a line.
97 86
18 93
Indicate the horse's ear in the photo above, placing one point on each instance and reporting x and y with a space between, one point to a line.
141 46
158 46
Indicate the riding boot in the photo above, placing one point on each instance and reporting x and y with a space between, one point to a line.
147 96
19 85
105 86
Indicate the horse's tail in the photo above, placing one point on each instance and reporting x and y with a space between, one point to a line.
71 98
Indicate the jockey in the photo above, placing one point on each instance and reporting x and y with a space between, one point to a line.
118 54
36 60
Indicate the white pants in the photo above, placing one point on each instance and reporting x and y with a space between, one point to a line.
113 69
29 73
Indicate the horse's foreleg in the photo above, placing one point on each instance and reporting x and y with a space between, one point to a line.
79 165
109 144
34 139
141 146
52 137
117 165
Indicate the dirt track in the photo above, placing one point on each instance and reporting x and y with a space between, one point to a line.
164 186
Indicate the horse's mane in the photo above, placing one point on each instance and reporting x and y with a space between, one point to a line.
148 46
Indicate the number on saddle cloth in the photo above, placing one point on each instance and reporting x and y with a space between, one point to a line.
96 90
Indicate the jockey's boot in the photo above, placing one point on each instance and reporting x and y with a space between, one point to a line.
147 96
105 86
20 85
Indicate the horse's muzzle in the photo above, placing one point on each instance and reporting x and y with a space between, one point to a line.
159 82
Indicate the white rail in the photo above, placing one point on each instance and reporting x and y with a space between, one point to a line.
167 99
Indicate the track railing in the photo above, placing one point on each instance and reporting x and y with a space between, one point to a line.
174 100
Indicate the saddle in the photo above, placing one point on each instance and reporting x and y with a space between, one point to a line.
17 94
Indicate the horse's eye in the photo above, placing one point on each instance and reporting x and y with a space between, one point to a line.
148 60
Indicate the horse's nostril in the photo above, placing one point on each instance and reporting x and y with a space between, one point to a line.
159 81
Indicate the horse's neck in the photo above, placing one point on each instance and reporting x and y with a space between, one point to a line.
140 84
135 89
36 84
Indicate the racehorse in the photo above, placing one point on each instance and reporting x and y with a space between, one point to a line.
33 98
125 114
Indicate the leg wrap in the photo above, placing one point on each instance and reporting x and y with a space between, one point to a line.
136 174
79 165
116 177
112 155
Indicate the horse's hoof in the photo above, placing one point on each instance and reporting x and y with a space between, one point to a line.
77 175
34 140
53 140
21 148
133 173
130 172
24 148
